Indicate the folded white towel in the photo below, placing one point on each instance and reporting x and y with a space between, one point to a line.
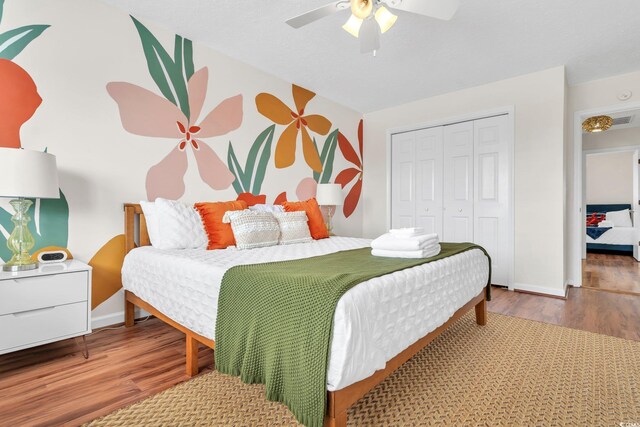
407 232
606 223
390 242
406 254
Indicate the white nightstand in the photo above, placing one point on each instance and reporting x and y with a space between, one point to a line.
51 303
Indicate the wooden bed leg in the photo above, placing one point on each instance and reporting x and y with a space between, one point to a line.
192 356
340 420
481 312
129 313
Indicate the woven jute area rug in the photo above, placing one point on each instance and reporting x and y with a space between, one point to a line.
512 372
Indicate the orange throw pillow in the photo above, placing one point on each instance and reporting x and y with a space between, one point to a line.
220 234
316 223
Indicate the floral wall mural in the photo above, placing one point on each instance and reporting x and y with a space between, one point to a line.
19 100
353 173
175 115
297 124
134 112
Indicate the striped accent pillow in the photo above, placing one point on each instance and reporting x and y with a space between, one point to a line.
253 229
294 227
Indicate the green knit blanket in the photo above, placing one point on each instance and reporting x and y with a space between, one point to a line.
275 320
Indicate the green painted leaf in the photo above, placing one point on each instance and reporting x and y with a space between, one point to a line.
316 175
13 42
327 157
177 52
1 9
189 69
256 174
53 215
236 170
163 69
5 222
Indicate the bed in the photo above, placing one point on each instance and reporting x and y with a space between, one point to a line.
617 240
378 325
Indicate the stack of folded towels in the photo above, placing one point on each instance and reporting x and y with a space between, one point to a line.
406 243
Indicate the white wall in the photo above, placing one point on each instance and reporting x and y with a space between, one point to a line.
587 96
609 177
613 138
539 104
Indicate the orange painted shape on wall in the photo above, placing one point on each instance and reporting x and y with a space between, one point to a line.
19 100
107 264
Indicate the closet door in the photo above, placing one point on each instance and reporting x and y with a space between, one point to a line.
458 182
492 179
428 160
403 180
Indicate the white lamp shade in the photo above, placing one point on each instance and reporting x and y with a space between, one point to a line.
353 26
28 173
329 194
385 19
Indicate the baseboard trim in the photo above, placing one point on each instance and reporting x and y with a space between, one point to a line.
539 290
114 319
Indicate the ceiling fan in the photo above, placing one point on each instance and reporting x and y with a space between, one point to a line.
370 18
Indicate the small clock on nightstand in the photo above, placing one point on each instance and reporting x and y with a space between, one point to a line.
50 303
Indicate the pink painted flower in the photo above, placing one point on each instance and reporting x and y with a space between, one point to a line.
144 113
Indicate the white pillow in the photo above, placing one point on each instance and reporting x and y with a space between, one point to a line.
620 218
150 216
294 227
267 208
179 226
253 229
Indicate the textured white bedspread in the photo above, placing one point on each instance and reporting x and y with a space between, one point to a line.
374 321
617 236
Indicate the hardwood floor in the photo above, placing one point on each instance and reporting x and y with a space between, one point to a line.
55 385
619 273
590 310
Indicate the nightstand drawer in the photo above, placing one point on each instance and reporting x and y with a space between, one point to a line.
30 293
44 324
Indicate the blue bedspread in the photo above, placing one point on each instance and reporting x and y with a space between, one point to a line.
596 232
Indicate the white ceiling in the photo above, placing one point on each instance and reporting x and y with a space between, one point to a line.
488 40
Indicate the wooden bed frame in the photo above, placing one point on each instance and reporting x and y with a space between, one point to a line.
338 402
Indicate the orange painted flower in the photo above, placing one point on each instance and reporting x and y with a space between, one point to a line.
349 174
297 123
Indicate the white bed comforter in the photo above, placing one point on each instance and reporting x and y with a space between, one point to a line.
616 236
374 321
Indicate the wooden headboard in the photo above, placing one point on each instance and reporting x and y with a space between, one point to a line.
134 236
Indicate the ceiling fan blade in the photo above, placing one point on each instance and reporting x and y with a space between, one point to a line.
440 9
369 36
319 13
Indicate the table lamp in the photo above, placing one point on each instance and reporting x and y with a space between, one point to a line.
329 196
25 174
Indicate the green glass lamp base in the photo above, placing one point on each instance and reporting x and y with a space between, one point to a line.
21 241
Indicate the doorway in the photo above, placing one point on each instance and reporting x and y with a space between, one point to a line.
610 190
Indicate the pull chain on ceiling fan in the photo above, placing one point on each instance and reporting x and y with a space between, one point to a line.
370 18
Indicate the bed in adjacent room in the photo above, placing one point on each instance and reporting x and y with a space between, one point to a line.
377 325
609 229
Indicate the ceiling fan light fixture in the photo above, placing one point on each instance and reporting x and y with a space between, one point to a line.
597 124
353 26
385 19
361 8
